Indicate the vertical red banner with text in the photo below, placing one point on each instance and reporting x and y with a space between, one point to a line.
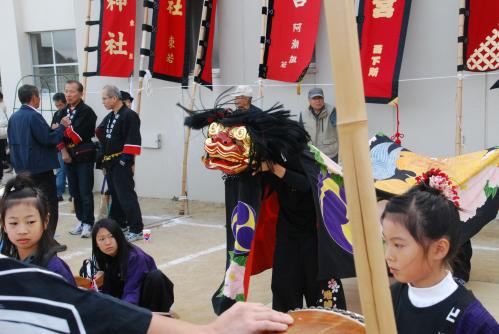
290 39
117 38
481 42
382 32
168 58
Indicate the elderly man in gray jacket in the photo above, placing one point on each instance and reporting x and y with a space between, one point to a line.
320 122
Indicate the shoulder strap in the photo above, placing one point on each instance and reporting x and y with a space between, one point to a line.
462 299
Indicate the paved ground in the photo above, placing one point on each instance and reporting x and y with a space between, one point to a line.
190 250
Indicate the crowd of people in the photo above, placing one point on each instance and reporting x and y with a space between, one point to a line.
419 229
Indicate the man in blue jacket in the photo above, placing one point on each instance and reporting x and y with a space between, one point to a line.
33 147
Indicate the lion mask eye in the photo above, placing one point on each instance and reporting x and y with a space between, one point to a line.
239 133
215 128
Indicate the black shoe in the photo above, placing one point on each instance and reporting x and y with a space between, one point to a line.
59 248
60 199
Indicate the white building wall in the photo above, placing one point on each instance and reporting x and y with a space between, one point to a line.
426 91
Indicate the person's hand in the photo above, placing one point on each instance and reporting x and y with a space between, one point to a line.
55 126
66 121
249 318
273 167
265 166
99 278
125 159
65 156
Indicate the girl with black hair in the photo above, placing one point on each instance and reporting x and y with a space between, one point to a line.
24 218
129 273
421 230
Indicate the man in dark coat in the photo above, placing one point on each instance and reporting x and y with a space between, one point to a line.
33 147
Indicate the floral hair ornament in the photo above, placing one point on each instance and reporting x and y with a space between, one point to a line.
437 179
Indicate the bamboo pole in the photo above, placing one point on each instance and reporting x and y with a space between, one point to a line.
87 41
459 83
362 208
142 61
265 3
183 199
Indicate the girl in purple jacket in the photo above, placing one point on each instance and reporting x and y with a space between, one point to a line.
129 273
24 217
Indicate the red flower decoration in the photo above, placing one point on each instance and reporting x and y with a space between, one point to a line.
437 179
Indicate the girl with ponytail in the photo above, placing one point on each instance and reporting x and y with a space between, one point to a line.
24 216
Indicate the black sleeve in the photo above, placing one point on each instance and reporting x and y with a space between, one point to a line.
49 295
132 134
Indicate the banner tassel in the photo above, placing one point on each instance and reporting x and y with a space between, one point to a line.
397 136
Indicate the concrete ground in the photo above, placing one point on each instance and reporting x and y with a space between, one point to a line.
191 251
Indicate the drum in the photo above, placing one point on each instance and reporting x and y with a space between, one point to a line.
321 321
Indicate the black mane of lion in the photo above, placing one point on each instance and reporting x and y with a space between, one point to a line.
274 135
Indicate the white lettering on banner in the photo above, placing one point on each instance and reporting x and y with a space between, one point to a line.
297 27
373 71
284 64
292 59
295 44
383 8
375 60
377 49
299 3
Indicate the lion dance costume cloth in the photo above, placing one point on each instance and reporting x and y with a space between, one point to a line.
239 141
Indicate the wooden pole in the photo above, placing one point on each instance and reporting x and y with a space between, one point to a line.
352 128
183 199
87 41
265 4
142 62
459 83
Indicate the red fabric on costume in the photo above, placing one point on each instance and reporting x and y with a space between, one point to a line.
261 256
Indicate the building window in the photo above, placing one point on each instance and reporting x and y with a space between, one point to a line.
54 59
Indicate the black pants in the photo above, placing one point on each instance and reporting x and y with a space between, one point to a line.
157 292
81 185
294 276
46 183
125 207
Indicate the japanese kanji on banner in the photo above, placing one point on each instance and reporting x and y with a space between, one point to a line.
169 51
481 31
117 38
205 76
290 39
382 31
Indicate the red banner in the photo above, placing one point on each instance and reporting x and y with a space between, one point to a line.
382 31
168 58
290 39
481 42
117 38
205 76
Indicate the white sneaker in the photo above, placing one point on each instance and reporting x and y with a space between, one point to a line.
131 237
86 231
77 230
